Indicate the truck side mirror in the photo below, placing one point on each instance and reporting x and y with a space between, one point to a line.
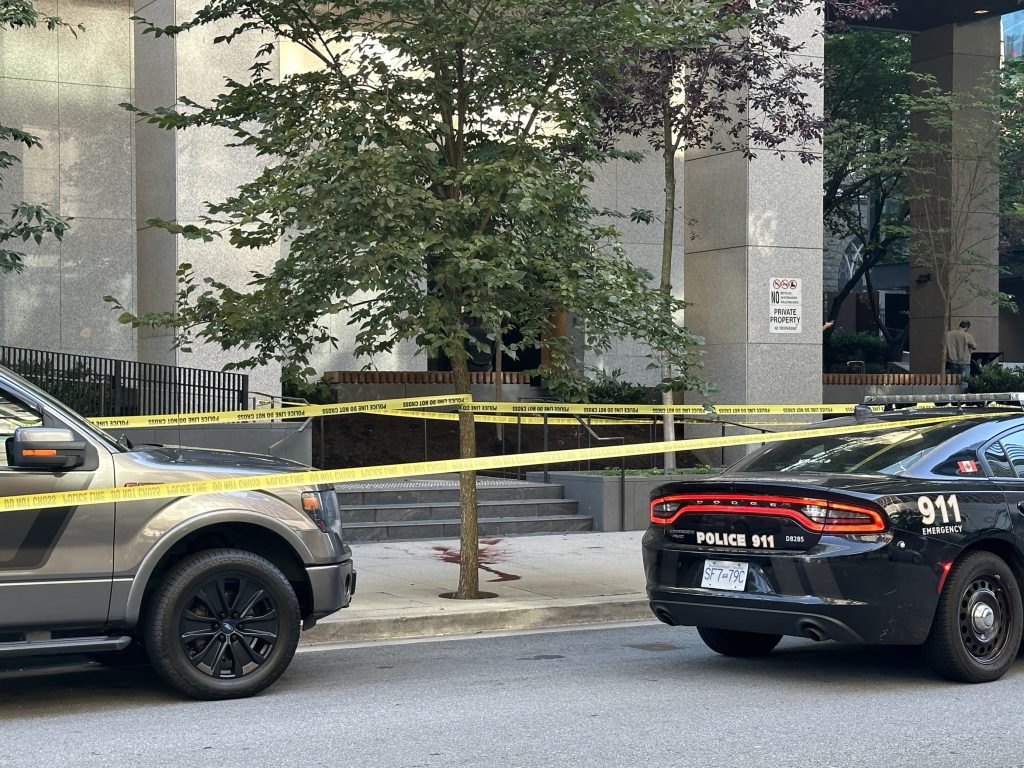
45 448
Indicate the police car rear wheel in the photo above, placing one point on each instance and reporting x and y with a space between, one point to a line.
977 628
730 642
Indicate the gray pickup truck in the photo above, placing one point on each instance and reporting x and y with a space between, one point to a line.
212 588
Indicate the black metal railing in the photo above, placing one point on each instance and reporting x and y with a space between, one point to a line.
102 386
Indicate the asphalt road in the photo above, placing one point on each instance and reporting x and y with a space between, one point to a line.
640 695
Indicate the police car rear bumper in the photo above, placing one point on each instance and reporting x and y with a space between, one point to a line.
775 616
852 596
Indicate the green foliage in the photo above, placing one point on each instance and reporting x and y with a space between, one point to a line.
430 176
869 76
890 146
572 386
26 221
320 391
996 378
840 348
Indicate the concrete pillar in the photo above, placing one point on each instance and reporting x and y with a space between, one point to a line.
178 171
755 222
961 57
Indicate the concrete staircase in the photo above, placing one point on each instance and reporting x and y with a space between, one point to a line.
428 508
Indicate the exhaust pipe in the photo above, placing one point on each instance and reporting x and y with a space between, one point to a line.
664 617
813 631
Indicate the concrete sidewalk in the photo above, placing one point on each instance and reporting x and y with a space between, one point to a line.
539 581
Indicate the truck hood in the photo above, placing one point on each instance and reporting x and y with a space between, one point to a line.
209 461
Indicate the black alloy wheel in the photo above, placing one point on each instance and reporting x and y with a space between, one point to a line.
977 628
224 624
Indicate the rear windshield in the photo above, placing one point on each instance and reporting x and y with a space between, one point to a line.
887 452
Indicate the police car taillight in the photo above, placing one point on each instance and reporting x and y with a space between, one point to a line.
663 511
846 518
818 515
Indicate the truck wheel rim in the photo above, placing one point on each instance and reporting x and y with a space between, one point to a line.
984 612
229 627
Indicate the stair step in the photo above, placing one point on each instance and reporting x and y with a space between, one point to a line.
448 529
394 513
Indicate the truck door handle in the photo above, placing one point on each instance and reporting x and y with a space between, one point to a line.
1020 506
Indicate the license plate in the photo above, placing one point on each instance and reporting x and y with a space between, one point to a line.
724 574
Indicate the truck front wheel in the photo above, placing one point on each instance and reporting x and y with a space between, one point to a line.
223 624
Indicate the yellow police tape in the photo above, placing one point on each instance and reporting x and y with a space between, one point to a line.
656 410
465 403
315 477
272 414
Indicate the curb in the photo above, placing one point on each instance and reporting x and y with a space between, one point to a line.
549 613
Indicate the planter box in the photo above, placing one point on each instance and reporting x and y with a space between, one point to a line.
601 496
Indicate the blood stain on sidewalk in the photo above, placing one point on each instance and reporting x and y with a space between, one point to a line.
491 553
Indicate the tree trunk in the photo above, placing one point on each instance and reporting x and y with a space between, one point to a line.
469 561
667 241
499 427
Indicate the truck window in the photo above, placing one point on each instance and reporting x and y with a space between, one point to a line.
14 414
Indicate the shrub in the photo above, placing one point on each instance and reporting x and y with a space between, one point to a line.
843 347
996 378
573 387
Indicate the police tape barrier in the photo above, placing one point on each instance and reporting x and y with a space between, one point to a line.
600 409
328 476
272 414
466 403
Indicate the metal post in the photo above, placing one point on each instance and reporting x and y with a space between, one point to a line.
622 492
116 385
545 446
519 445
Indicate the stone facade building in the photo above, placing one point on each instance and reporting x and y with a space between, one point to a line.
747 223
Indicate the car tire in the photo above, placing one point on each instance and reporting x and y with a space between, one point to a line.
976 632
223 624
731 642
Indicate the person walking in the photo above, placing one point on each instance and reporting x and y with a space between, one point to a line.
959 345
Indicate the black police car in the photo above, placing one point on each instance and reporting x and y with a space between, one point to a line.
911 534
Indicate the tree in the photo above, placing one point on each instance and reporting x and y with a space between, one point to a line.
737 84
868 79
954 183
429 177
873 158
27 221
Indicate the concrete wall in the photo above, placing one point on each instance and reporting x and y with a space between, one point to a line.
622 186
753 221
180 171
66 90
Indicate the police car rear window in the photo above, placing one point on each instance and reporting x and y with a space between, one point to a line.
889 452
